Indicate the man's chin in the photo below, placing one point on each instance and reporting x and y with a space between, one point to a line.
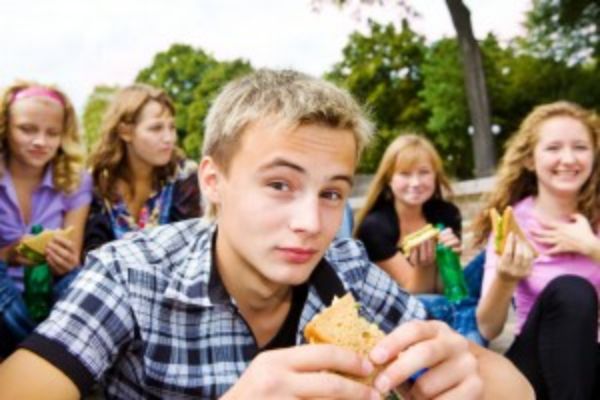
294 276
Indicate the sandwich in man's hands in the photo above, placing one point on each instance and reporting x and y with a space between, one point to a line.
341 325
502 225
37 243
416 238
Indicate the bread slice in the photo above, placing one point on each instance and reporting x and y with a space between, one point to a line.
341 325
504 224
416 238
39 242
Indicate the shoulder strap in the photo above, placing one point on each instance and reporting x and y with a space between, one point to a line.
327 282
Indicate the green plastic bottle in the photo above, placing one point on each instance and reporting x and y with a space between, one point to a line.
38 285
448 262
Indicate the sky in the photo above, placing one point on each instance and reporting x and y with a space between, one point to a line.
78 44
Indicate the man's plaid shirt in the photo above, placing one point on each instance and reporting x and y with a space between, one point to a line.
148 319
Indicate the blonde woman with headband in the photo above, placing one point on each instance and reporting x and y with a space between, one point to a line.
141 178
42 182
406 194
550 175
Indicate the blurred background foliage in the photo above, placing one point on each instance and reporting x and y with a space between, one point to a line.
408 84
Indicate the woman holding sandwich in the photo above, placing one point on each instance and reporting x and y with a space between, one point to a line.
545 258
42 182
405 195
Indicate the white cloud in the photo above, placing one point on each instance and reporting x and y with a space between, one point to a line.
79 44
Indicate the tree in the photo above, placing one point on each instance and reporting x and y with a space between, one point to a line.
565 30
443 94
382 70
93 113
204 94
477 96
474 78
192 78
178 71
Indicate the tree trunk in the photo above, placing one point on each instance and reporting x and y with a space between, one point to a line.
477 96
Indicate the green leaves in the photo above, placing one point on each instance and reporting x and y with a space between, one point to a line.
565 30
192 78
94 112
382 69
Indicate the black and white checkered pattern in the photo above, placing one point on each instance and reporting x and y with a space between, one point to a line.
147 318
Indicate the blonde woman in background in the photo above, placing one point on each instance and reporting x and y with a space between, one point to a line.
42 182
407 193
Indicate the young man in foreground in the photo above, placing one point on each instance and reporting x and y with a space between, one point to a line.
200 310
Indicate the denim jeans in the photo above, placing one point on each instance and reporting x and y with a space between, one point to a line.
460 315
13 311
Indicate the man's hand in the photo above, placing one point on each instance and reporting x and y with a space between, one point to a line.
61 255
516 260
303 372
451 370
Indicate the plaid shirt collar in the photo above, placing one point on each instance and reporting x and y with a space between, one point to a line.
197 281
192 278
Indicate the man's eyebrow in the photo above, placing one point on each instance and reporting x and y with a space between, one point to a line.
280 162
346 178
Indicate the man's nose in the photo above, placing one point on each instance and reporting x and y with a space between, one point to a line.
306 215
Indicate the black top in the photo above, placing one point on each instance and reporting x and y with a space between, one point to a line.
380 231
286 336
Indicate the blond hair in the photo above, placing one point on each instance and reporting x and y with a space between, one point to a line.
108 160
401 154
515 180
289 96
68 162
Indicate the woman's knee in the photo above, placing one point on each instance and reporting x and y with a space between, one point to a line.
572 292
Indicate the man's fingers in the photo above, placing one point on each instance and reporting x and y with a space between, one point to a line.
327 385
318 357
425 354
403 337
470 389
445 375
315 371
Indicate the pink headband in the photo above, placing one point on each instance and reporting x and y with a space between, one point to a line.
37 91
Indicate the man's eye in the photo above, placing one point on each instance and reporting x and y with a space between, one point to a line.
332 195
278 185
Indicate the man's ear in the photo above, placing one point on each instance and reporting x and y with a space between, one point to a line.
125 131
209 177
